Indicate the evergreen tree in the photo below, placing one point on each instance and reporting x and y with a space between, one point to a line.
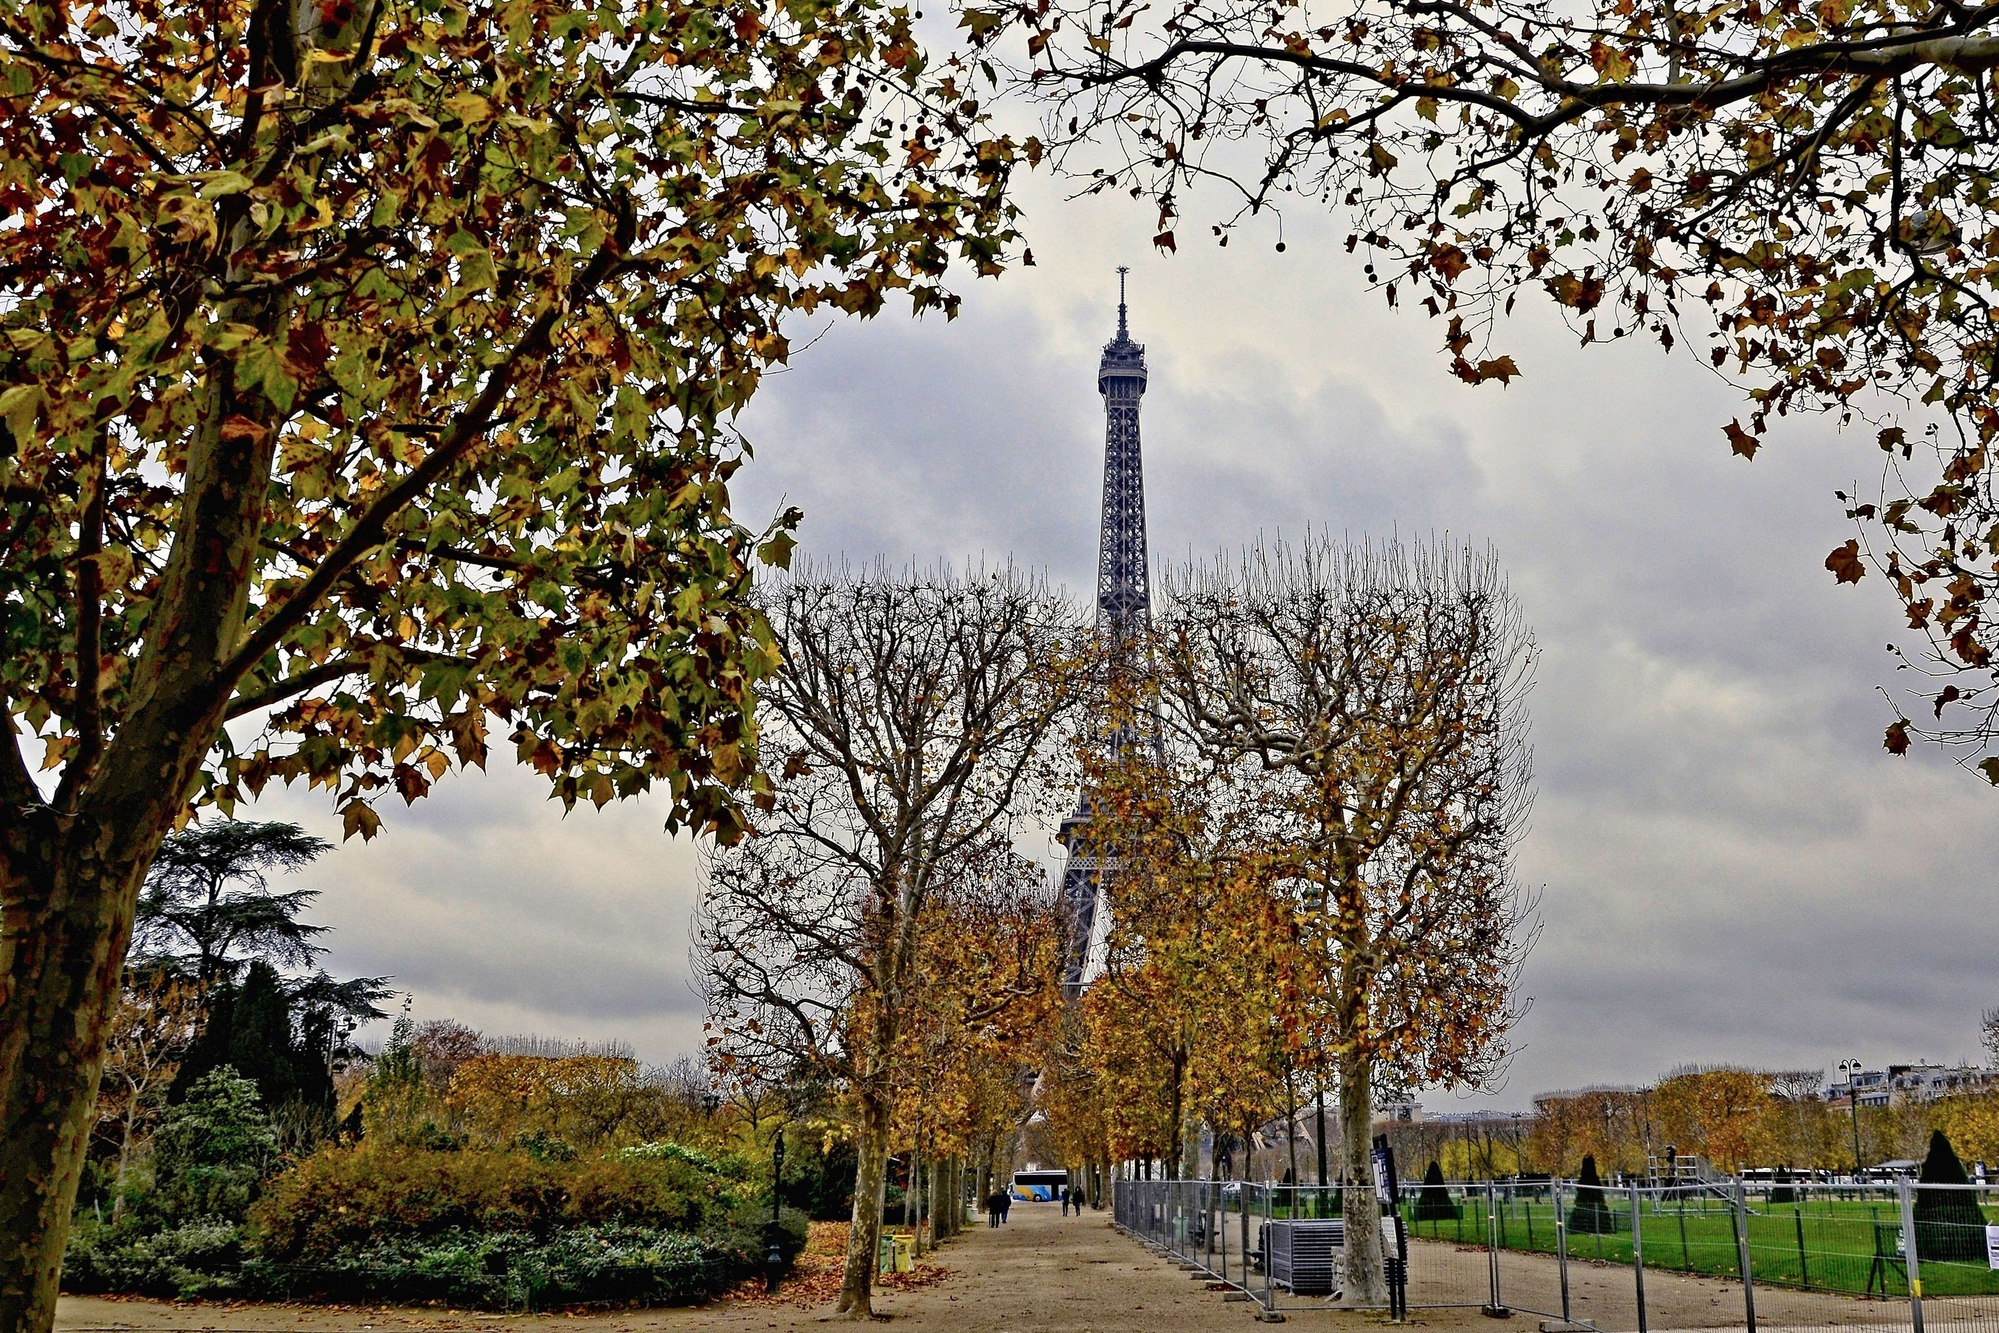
208 905
284 1045
1591 1215
1950 1226
1434 1202
208 913
212 1150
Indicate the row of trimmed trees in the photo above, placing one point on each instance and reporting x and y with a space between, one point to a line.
1309 876
1305 791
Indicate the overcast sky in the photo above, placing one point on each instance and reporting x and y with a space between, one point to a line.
1732 868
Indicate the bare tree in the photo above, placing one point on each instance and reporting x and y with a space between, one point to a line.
1379 693
156 1020
912 723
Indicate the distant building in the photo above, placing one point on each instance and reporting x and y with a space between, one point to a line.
1919 1082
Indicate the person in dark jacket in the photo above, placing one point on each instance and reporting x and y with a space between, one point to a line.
993 1209
1006 1203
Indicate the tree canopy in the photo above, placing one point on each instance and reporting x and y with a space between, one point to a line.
1800 190
365 380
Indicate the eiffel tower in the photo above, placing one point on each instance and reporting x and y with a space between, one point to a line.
1124 598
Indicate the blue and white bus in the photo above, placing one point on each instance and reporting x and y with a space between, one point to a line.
1039 1186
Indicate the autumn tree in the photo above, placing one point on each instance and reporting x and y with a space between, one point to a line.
1602 1124
1797 190
1197 999
991 956
363 381
155 1022
1374 699
914 719
1725 1114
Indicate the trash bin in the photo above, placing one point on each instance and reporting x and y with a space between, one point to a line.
896 1255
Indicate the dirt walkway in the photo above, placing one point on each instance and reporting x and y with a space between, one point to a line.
1044 1273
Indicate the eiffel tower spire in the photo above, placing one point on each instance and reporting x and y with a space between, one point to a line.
1124 597
1124 600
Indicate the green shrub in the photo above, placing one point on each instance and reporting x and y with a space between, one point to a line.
194 1259
1591 1214
1434 1202
212 1150
660 1193
343 1198
1950 1226
513 1270
727 1166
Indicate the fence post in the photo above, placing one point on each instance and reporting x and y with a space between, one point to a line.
1741 1209
1492 1246
1269 1315
1246 1236
1561 1246
1638 1253
1910 1255
1804 1267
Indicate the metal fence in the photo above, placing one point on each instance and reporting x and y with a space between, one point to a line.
1610 1257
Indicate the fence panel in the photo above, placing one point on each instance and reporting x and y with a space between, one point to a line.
1957 1232
1819 1253
1450 1261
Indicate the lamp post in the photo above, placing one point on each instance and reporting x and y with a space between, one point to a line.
774 1261
1851 1068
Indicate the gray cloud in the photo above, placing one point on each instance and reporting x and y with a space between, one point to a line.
1733 869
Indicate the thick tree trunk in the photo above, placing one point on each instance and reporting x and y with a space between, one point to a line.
69 876
69 901
1365 1282
857 1282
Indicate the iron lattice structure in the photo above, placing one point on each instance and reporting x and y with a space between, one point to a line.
1124 598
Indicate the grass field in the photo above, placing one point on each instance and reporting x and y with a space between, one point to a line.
1841 1245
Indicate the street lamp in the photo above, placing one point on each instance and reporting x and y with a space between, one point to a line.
774 1261
1851 1068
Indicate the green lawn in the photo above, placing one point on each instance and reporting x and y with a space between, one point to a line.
1823 1245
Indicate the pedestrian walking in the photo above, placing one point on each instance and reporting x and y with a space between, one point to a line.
993 1209
1006 1203
1065 1201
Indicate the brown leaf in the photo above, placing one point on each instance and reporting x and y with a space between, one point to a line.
1897 739
1846 564
240 427
1164 240
1740 440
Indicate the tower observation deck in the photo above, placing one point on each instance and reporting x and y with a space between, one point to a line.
1124 598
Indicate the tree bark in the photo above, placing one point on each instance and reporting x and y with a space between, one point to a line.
857 1281
68 918
1365 1282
